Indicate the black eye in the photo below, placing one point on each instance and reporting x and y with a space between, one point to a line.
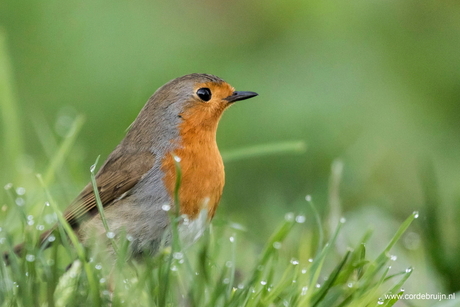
204 93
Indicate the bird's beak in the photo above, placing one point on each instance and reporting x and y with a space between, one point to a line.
240 96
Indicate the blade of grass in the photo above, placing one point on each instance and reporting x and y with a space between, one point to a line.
13 146
297 147
63 150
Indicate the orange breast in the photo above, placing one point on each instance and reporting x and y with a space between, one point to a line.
202 169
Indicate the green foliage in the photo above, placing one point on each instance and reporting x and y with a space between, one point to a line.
204 275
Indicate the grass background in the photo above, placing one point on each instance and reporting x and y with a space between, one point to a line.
373 85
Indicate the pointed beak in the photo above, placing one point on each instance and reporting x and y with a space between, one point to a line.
240 96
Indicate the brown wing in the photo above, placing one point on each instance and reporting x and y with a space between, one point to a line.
117 176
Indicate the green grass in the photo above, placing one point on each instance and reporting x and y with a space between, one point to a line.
203 275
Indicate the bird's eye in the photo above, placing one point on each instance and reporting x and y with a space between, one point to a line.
204 93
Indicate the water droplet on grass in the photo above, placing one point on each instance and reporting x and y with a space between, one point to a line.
51 238
289 217
393 257
304 291
300 219
294 261
415 213
277 245
166 207
308 198
30 258
110 235
20 191
178 255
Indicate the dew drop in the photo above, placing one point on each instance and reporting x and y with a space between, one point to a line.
415 213
408 270
98 266
30 258
130 238
263 282
166 207
277 245
294 261
232 239
380 301
304 271
174 268
304 291
226 281
19 201
308 198
178 255
317 285
393 257
110 235
240 286
229 264
102 280
92 168
8 186
2 240
40 227
20 191
47 204
289 216
343 220
310 260
350 285
51 238
177 159
402 290
300 219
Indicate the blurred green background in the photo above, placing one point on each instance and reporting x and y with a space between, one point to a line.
375 84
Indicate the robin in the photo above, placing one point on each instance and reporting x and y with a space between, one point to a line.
136 183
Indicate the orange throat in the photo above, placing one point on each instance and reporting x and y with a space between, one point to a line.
202 171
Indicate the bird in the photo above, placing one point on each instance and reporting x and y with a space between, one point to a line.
137 182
